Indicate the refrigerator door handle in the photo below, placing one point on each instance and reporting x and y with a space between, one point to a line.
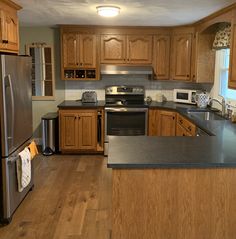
8 83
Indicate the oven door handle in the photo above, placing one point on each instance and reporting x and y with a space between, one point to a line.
126 109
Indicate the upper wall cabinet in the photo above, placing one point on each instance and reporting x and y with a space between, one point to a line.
181 56
70 50
126 49
139 49
79 56
113 49
9 32
161 61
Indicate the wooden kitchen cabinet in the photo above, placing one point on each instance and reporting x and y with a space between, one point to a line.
68 130
153 122
184 127
87 52
78 130
161 62
161 123
79 56
9 27
79 50
167 122
139 49
126 49
181 56
70 50
113 49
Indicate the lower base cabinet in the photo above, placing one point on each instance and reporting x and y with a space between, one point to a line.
79 131
161 123
184 127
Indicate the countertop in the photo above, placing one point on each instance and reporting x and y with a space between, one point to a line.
78 104
218 150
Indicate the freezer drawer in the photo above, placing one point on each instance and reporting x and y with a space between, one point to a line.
11 197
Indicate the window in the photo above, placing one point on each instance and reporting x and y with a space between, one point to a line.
223 59
42 71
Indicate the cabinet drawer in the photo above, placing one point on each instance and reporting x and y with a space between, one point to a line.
181 131
190 127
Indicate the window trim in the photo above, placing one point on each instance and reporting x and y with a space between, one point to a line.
27 50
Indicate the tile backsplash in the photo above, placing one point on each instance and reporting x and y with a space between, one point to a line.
74 89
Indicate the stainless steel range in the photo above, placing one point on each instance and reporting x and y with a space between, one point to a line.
126 113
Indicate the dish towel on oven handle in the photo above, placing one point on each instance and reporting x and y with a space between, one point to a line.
23 165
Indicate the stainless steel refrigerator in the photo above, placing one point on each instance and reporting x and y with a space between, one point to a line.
16 128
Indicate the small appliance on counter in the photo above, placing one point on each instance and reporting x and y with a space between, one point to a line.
89 97
185 96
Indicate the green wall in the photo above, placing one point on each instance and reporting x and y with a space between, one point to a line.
50 36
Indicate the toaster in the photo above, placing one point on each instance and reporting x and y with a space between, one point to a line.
89 97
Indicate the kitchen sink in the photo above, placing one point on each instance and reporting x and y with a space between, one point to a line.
205 115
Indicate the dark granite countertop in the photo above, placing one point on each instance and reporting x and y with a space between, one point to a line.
78 104
218 150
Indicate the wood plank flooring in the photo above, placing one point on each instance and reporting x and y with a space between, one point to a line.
71 200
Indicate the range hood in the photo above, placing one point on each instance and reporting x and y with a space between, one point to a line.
126 70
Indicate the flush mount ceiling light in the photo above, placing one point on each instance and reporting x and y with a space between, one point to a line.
108 11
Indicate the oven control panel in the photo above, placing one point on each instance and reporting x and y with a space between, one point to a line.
126 90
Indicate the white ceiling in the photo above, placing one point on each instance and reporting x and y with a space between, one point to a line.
133 12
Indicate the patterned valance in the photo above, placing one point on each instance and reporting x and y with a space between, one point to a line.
222 38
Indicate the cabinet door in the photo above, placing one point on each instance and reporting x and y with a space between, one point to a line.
232 68
181 56
153 122
113 49
2 25
162 57
87 53
139 49
68 131
167 122
70 50
9 31
88 130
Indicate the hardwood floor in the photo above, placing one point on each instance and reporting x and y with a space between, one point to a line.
71 200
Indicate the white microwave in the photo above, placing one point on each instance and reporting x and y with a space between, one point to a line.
185 96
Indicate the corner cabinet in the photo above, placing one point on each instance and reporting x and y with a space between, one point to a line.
161 62
79 131
184 127
161 123
126 49
79 56
9 27
181 56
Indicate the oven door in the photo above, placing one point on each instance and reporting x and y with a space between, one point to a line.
125 122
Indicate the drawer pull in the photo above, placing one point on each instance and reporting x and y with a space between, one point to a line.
190 128
181 121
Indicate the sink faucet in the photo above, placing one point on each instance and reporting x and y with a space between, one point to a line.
222 103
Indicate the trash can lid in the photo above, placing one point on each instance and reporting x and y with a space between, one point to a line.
51 115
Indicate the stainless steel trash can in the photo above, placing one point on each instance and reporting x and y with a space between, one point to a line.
49 133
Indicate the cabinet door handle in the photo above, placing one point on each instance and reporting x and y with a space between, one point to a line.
173 117
81 64
187 75
190 128
4 41
181 121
